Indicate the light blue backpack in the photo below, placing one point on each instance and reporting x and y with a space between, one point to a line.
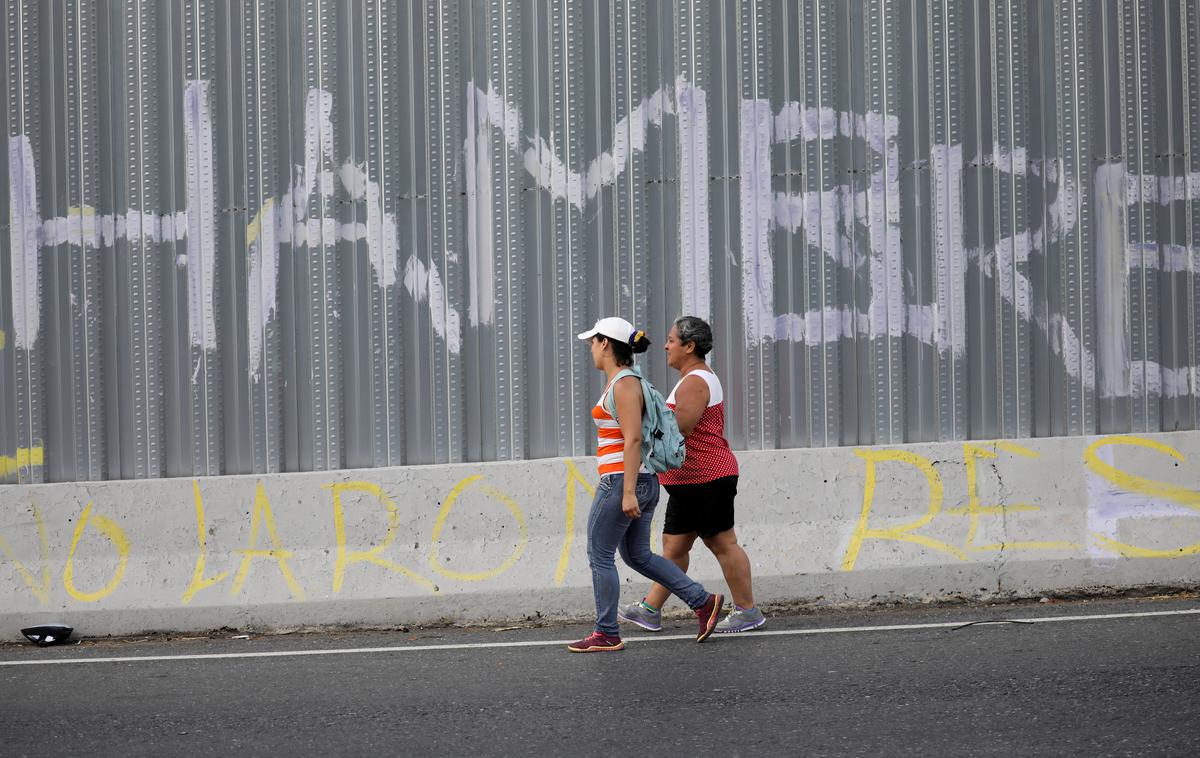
662 442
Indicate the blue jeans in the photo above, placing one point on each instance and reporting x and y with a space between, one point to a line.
610 530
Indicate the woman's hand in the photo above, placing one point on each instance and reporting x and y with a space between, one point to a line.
629 505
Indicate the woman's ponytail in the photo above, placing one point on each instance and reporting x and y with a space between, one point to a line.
639 342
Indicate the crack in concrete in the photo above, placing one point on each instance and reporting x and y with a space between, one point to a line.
1002 559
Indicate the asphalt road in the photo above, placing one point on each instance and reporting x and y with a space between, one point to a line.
815 685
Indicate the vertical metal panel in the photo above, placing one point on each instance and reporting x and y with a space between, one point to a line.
979 222
1077 326
8 391
886 306
320 365
825 248
660 85
1043 166
133 267
215 198
89 398
446 233
691 31
788 357
848 97
536 267
69 258
724 203
693 270
364 269
24 360
1010 56
1112 271
1174 253
571 401
418 208
496 213
356 322
1137 88
626 29
384 146
1190 29
258 431
178 61
947 169
755 133
920 348
298 234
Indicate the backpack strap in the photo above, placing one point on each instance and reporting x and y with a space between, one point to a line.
609 401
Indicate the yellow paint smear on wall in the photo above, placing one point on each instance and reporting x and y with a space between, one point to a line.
25 457
254 228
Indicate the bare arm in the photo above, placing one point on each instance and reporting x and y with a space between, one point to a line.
691 398
627 395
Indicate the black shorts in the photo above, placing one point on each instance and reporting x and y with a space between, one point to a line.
706 509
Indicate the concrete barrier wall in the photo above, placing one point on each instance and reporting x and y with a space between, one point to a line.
502 541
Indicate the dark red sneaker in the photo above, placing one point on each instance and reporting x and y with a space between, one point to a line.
708 614
598 642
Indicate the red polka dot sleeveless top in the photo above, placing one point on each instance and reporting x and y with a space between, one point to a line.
708 455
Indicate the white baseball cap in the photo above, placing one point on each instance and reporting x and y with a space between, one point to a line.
612 327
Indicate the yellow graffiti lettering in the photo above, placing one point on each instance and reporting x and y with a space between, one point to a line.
116 536
903 532
25 457
198 581
1142 486
444 514
974 510
262 514
573 478
1132 482
346 558
1132 551
40 589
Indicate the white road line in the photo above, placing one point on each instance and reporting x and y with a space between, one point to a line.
556 643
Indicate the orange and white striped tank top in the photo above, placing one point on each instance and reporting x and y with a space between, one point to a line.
610 443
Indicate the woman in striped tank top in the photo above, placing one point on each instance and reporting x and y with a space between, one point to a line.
703 489
627 494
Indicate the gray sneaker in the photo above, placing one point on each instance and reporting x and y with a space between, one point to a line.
636 613
741 620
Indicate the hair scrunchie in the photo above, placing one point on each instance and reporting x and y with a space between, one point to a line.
633 338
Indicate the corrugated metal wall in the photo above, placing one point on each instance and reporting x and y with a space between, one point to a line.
277 235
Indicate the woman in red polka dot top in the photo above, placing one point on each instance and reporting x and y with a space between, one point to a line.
702 490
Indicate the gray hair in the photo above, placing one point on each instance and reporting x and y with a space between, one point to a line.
696 330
